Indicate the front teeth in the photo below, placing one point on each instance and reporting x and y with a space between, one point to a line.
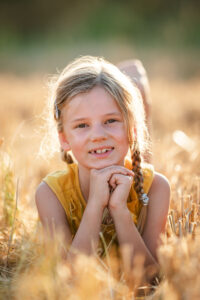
100 151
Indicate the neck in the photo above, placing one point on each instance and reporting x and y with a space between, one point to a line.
84 180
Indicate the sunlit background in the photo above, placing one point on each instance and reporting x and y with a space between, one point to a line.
40 36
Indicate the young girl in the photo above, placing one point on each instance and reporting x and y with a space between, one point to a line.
106 193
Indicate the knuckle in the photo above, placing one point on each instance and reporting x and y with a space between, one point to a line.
130 179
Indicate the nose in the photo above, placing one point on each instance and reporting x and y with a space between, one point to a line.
98 133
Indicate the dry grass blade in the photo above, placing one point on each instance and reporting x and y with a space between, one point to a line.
14 218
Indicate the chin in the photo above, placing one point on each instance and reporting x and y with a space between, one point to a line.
103 165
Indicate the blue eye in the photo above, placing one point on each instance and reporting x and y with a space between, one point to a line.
82 125
111 121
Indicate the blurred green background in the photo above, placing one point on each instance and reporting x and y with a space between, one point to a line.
44 35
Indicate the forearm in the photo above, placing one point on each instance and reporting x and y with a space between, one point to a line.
128 235
87 236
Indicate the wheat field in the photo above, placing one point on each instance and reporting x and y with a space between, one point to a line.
31 270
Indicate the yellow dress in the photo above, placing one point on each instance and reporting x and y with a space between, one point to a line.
65 185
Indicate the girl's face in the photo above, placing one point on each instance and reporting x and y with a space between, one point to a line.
94 129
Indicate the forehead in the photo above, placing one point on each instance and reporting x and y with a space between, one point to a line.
95 102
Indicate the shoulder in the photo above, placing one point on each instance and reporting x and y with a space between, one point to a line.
51 193
159 192
47 203
160 182
43 190
44 194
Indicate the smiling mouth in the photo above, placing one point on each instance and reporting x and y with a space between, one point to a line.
100 151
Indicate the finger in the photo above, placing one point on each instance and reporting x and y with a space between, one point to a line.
112 186
120 178
116 170
112 183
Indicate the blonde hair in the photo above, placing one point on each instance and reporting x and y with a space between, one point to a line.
81 76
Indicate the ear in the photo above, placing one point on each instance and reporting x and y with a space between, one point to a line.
63 141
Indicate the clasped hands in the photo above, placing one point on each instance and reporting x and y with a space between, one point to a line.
110 186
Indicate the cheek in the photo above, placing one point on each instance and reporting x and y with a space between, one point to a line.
77 144
121 134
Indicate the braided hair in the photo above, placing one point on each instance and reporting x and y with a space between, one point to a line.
138 185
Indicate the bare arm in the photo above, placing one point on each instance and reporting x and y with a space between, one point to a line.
127 233
159 200
51 213
54 221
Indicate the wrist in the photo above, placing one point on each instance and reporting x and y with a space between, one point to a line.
116 210
94 207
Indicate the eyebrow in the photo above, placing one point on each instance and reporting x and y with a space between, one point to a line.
106 115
